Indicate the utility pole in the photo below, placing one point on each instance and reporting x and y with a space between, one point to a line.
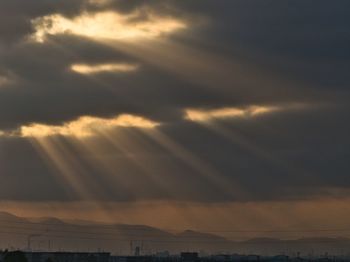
29 239
131 248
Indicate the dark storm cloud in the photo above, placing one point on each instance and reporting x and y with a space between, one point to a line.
16 15
311 161
47 91
46 85
301 43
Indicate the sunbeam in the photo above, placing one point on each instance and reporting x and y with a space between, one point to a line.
136 130
69 171
229 187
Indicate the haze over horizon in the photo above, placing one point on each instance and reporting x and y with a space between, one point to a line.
55 235
226 116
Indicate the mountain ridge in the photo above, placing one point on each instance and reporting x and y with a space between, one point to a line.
50 233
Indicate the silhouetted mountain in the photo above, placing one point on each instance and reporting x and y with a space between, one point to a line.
198 235
8 216
47 220
262 240
54 234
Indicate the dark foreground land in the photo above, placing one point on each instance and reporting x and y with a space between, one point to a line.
19 256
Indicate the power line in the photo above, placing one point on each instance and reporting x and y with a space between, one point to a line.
169 230
122 239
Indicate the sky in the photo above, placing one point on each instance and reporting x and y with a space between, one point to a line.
220 115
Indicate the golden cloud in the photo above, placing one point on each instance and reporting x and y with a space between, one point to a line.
106 25
199 115
99 68
86 126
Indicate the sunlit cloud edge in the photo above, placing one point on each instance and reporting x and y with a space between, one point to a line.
87 69
85 126
106 25
89 126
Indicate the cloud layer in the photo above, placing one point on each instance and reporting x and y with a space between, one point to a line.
174 100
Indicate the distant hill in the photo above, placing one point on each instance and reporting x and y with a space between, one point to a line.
54 234
8 216
205 238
